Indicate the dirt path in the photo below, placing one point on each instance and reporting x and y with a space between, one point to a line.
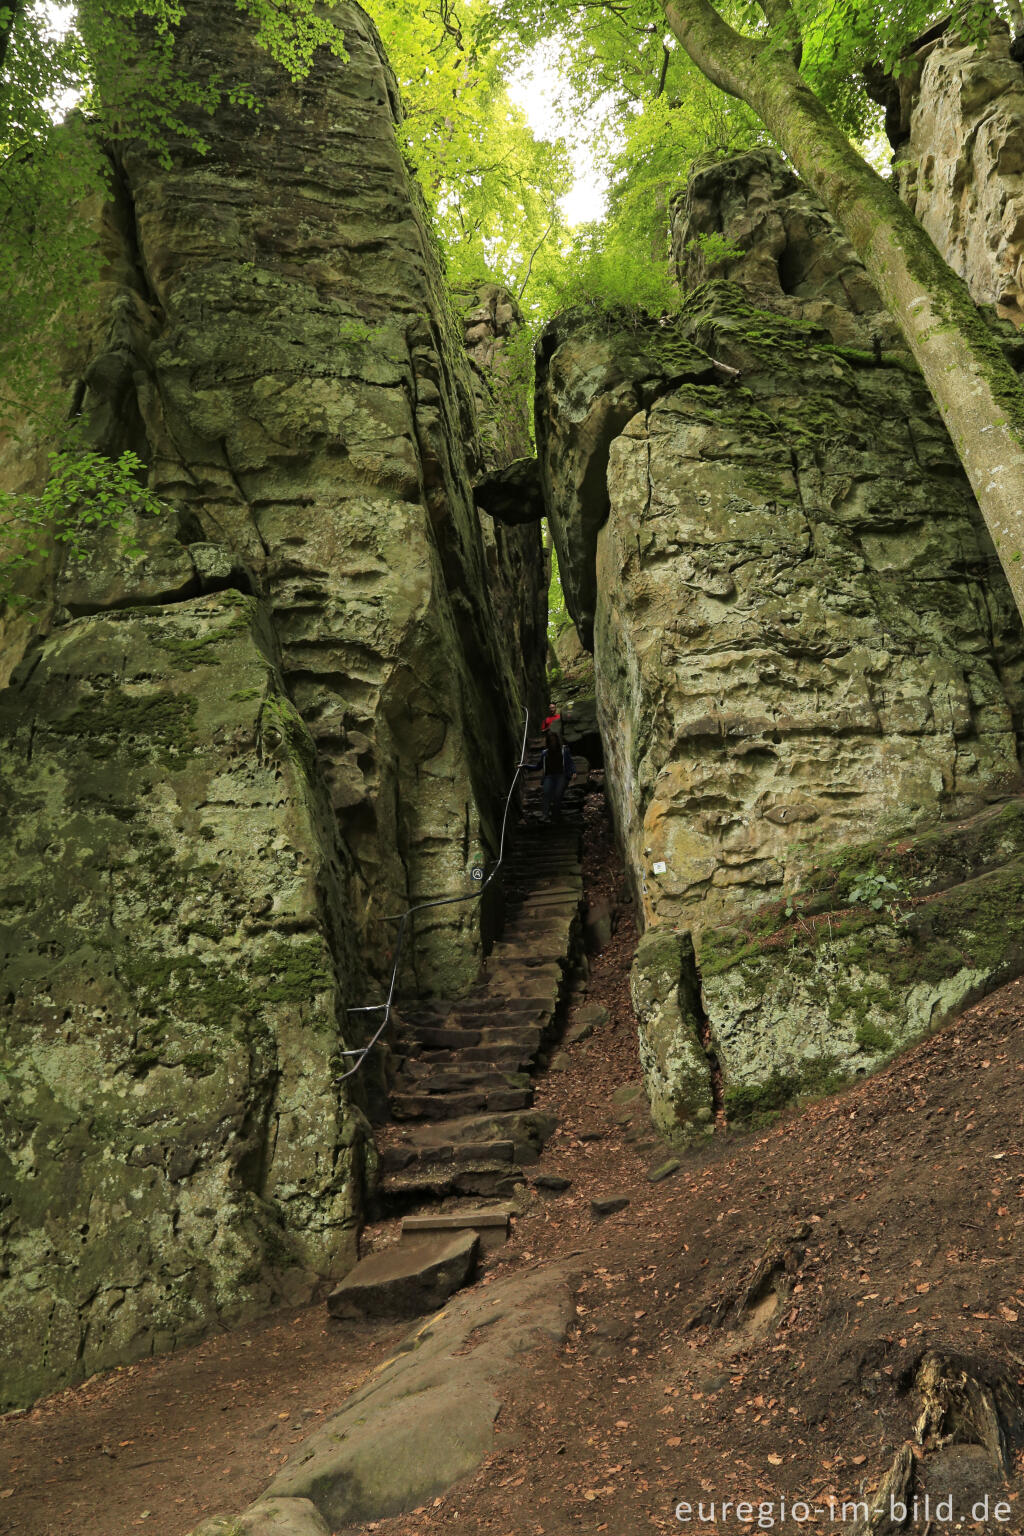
891 1218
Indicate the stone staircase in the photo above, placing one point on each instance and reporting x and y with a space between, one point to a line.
463 1121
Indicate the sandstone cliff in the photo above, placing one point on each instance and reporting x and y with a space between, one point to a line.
958 144
232 757
803 648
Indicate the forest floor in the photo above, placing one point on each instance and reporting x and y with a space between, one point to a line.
879 1224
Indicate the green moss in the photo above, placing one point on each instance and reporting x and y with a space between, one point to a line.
180 984
292 972
199 650
849 1002
958 312
862 357
200 1063
758 1104
115 724
281 729
870 1037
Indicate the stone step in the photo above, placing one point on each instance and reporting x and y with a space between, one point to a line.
507 1058
448 1106
527 1129
398 1155
490 1223
526 1036
408 1279
437 1180
457 1080
441 1038
514 1019
477 1007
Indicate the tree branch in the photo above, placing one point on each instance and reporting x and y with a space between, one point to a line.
666 57
529 266
784 22
721 54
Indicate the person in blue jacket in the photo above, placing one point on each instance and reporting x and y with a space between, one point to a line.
557 767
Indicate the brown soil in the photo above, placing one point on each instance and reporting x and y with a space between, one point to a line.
886 1221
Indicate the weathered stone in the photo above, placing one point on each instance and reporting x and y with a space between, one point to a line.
597 925
412 1277
552 1181
269 1517
663 1170
803 641
781 246
173 947
607 1205
427 1419
587 390
512 494
666 1000
499 363
960 162
802 1004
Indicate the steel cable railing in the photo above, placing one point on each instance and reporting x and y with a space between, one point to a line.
438 901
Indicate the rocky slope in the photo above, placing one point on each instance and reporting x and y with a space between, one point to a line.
235 754
805 656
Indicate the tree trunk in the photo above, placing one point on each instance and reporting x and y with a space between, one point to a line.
976 390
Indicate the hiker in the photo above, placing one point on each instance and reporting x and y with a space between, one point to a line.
557 767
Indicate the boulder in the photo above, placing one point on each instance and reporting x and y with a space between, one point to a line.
427 1418
170 995
269 1517
666 1001
416 1275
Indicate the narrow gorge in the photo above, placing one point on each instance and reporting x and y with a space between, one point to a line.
237 747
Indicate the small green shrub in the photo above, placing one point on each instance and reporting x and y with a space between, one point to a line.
873 889
871 1037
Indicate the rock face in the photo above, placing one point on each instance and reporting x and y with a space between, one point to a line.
175 959
499 358
960 162
240 749
801 637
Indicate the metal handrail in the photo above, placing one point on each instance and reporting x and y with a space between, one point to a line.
438 901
